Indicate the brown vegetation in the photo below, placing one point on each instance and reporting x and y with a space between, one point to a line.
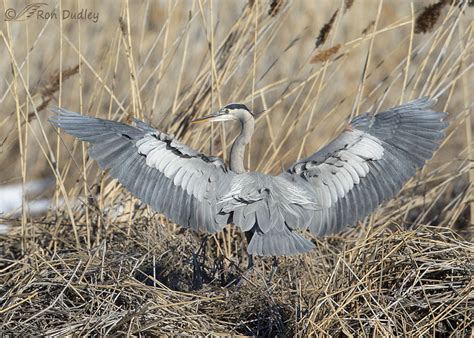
427 19
325 54
99 262
325 30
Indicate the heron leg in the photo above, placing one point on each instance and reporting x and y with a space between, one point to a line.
197 273
198 264
274 268
250 263
239 281
248 236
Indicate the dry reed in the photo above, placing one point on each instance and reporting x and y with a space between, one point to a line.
99 262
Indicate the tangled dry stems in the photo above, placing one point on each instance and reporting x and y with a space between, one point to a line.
141 281
135 276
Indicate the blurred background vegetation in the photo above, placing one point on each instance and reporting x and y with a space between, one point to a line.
309 65
167 62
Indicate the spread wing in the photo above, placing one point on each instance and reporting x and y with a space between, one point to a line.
369 162
169 176
195 190
338 185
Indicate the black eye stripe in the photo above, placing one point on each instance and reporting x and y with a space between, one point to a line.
237 106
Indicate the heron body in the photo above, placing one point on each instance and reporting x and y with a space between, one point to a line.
367 164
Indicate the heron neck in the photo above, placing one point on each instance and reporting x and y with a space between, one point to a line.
237 151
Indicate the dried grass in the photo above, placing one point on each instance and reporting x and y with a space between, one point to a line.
52 87
427 19
275 6
324 55
348 4
325 30
386 283
99 262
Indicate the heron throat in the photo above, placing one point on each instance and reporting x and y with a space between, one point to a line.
237 151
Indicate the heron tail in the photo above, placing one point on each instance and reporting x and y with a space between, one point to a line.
277 243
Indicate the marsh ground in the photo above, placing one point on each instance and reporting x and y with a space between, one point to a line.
99 262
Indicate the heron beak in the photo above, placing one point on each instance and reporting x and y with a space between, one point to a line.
207 118
215 117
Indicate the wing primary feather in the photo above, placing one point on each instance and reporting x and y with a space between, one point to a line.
338 185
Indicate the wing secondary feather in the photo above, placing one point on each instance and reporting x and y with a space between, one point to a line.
369 162
341 183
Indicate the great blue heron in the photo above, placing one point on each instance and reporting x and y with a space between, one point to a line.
367 164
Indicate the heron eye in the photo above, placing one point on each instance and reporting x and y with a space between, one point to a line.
226 111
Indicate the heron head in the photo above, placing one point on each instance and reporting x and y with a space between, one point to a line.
230 112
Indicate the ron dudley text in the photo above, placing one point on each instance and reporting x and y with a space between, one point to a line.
67 14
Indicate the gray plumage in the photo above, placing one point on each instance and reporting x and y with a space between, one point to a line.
367 164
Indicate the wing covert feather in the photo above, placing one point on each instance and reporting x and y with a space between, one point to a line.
173 178
341 183
373 157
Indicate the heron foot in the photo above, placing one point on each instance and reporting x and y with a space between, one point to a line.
244 276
